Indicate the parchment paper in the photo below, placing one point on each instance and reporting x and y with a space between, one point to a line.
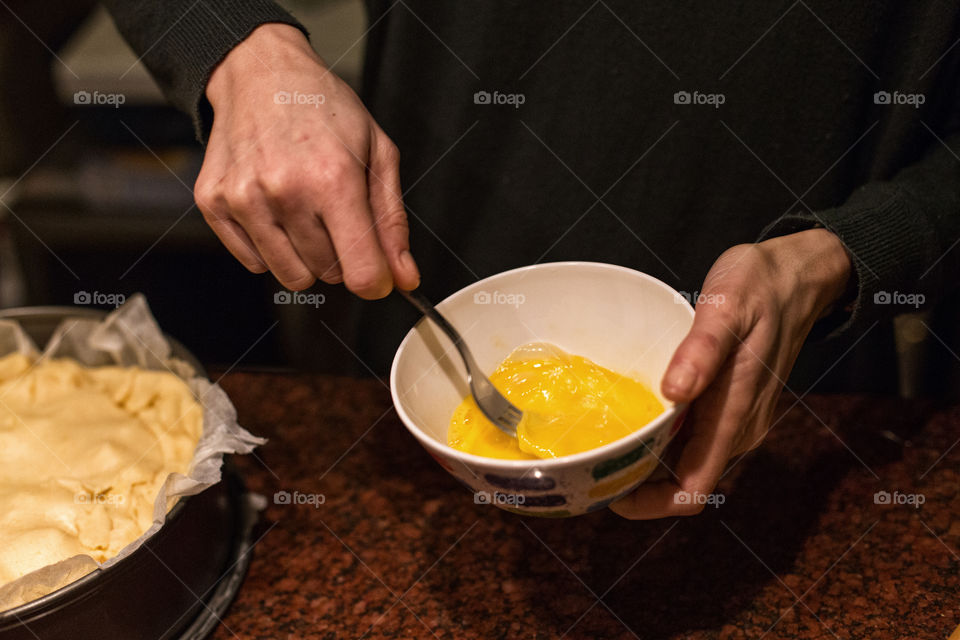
130 336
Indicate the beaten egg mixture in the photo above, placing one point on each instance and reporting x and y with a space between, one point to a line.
570 404
83 454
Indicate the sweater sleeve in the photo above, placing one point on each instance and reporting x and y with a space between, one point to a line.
182 41
901 235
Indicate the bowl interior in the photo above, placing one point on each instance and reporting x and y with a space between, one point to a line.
621 319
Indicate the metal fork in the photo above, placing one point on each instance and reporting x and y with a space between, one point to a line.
492 403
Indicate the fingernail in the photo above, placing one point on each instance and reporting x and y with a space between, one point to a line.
410 265
680 379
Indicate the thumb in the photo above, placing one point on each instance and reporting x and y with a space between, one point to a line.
695 363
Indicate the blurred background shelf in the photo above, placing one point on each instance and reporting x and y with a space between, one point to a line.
99 199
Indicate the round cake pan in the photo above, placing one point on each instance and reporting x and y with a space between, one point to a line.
177 584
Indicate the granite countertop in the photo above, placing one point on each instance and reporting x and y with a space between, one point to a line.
396 548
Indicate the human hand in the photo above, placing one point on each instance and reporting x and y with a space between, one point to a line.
297 176
759 302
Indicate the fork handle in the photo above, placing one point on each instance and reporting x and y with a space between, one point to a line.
420 302
506 417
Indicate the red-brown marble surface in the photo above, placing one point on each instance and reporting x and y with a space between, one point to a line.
398 549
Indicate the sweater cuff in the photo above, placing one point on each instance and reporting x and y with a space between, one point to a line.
202 39
882 236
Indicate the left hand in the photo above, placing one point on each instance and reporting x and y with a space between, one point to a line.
758 303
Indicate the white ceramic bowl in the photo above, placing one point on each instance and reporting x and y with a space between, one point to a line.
621 319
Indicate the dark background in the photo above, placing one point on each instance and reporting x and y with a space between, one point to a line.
98 199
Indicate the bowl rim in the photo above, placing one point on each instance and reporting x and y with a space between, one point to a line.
538 463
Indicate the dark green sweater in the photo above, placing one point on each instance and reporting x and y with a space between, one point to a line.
787 126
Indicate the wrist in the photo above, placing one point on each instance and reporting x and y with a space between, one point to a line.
817 265
270 49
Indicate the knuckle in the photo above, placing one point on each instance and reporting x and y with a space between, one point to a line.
279 186
334 174
726 321
205 195
395 222
208 195
703 341
241 195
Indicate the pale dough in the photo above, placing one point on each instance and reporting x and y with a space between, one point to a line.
83 454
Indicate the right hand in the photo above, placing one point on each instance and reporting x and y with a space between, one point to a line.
307 190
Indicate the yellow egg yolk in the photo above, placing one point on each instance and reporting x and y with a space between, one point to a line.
570 404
